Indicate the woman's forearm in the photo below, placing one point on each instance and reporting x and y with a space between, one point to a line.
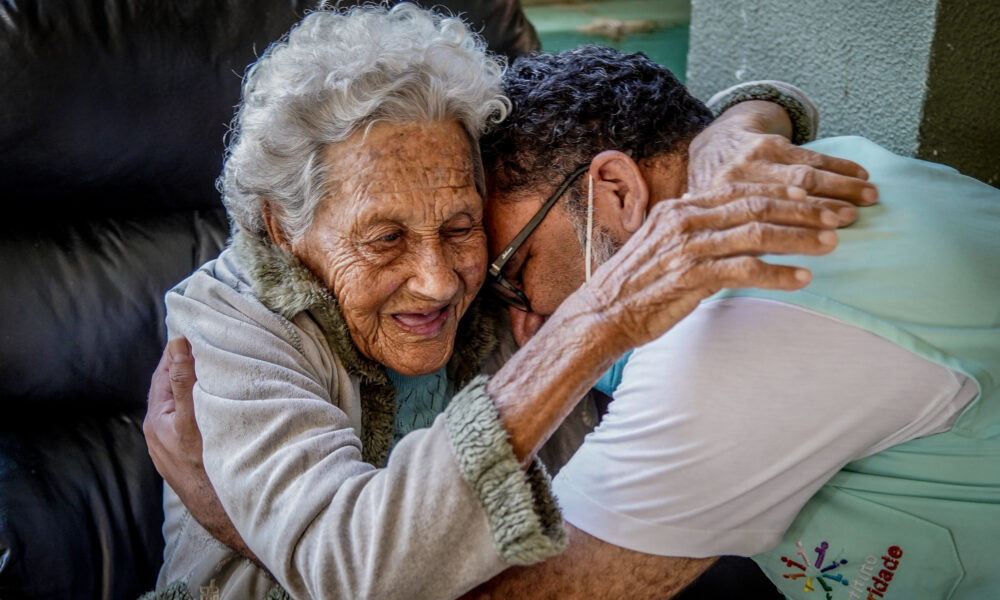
688 249
543 381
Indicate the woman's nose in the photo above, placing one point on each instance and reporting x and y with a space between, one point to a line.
434 275
525 325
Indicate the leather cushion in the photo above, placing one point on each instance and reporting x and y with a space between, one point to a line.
81 310
105 102
79 516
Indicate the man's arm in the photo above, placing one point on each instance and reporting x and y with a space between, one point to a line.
170 424
589 568
595 570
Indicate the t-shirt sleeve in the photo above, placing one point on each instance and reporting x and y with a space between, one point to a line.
723 428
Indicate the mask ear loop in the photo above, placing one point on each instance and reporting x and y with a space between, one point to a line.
590 223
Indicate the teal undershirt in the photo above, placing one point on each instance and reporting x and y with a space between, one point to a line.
419 400
610 380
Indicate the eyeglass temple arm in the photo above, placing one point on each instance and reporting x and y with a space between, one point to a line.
522 235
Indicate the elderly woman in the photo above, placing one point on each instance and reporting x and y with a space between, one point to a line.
343 321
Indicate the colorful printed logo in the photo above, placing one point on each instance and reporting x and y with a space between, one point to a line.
813 572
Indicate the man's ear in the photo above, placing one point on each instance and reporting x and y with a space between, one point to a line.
621 195
274 230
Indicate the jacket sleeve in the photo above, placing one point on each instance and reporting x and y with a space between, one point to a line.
800 108
450 509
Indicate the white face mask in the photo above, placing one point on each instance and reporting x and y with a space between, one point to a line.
590 224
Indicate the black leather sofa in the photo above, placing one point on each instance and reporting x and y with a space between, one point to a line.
112 116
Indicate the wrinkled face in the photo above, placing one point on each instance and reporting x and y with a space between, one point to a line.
548 267
399 239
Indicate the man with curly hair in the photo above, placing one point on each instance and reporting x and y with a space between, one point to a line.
846 434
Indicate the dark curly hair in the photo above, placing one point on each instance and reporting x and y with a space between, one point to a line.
567 107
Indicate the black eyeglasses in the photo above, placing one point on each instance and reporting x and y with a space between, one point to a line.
507 291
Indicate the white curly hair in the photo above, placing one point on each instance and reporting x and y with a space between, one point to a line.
338 71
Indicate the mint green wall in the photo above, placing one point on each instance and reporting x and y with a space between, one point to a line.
921 77
662 27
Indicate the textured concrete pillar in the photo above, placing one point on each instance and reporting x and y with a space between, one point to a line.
921 77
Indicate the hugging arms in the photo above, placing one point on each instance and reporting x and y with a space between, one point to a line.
344 316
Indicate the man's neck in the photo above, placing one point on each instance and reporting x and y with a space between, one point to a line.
666 176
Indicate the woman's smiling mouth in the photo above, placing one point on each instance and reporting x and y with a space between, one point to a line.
423 323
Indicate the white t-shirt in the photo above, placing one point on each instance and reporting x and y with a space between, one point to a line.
723 428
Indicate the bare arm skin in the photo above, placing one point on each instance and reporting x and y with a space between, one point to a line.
595 570
748 143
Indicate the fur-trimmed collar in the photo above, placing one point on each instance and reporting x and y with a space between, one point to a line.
287 287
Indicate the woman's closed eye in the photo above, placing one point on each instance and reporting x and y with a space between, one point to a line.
388 233
461 228
386 242
457 232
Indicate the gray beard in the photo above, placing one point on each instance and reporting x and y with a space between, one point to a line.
602 245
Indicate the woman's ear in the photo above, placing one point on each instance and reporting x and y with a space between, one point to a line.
621 195
274 230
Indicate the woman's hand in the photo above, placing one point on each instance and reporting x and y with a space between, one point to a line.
692 247
174 443
749 143
687 250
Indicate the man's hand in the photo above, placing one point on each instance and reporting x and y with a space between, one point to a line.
750 143
595 570
174 443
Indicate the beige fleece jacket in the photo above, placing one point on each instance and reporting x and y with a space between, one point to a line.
283 416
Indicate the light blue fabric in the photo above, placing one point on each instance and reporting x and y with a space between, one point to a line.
921 269
608 382
419 400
